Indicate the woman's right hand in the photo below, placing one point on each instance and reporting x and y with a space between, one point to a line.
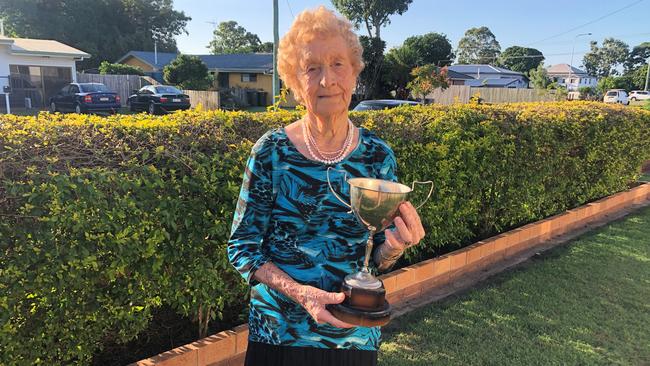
314 300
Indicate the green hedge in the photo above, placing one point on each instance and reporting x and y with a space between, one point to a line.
102 220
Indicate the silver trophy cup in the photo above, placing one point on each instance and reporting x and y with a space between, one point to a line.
375 203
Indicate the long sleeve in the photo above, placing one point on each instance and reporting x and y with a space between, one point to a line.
246 247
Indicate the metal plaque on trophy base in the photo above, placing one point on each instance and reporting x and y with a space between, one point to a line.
375 203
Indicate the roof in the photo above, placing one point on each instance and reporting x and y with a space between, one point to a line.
482 69
563 69
41 47
238 62
451 74
491 82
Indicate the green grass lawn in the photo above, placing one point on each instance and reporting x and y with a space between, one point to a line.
586 303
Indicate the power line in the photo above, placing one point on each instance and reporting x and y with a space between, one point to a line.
290 11
590 22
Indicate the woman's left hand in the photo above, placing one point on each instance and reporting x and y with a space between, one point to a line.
408 228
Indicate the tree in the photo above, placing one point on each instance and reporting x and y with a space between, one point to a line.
638 57
398 65
230 37
106 29
426 79
603 61
520 59
373 14
265 47
431 48
119 69
539 77
188 72
478 46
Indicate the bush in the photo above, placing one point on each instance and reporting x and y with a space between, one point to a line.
106 219
119 69
188 72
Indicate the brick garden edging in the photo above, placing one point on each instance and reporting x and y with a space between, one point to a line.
228 348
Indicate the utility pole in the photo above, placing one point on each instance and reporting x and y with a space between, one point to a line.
276 37
572 51
647 76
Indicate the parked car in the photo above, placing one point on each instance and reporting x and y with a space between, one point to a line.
639 95
158 99
379 104
616 96
85 97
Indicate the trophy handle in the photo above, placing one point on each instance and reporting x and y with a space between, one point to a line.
428 196
345 178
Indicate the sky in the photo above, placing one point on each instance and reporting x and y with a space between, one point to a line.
550 26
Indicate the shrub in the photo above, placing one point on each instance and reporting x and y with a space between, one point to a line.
119 69
188 72
105 219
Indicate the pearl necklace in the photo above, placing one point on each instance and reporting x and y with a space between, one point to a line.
328 158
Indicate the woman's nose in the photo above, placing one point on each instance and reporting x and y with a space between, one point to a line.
328 77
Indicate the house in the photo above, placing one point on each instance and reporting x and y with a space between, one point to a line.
570 77
35 69
491 76
456 78
247 71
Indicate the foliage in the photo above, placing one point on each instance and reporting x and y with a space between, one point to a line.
119 69
398 65
638 57
188 72
369 81
431 48
539 77
587 93
426 79
520 59
106 29
372 14
230 37
105 219
603 61
478 46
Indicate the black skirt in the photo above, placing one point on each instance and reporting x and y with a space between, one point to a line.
262 354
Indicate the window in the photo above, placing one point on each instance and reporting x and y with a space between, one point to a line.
248 78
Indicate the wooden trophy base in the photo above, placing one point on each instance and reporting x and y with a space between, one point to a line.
361 318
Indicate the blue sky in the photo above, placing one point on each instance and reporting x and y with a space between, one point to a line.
522 23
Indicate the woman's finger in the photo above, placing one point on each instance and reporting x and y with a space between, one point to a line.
403 230
418 226
410 218
332 297
327 317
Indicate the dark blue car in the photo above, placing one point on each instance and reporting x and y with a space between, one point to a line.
84 98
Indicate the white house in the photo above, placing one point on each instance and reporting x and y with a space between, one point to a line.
489 76
570 77
35 69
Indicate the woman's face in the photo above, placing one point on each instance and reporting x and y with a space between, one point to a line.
326 76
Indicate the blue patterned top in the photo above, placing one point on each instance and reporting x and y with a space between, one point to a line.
287 215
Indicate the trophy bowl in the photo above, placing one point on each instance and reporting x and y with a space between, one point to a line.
375 203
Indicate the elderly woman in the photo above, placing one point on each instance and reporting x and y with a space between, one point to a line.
291 239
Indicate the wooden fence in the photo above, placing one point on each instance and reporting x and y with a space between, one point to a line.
208 99
123 85
462 94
